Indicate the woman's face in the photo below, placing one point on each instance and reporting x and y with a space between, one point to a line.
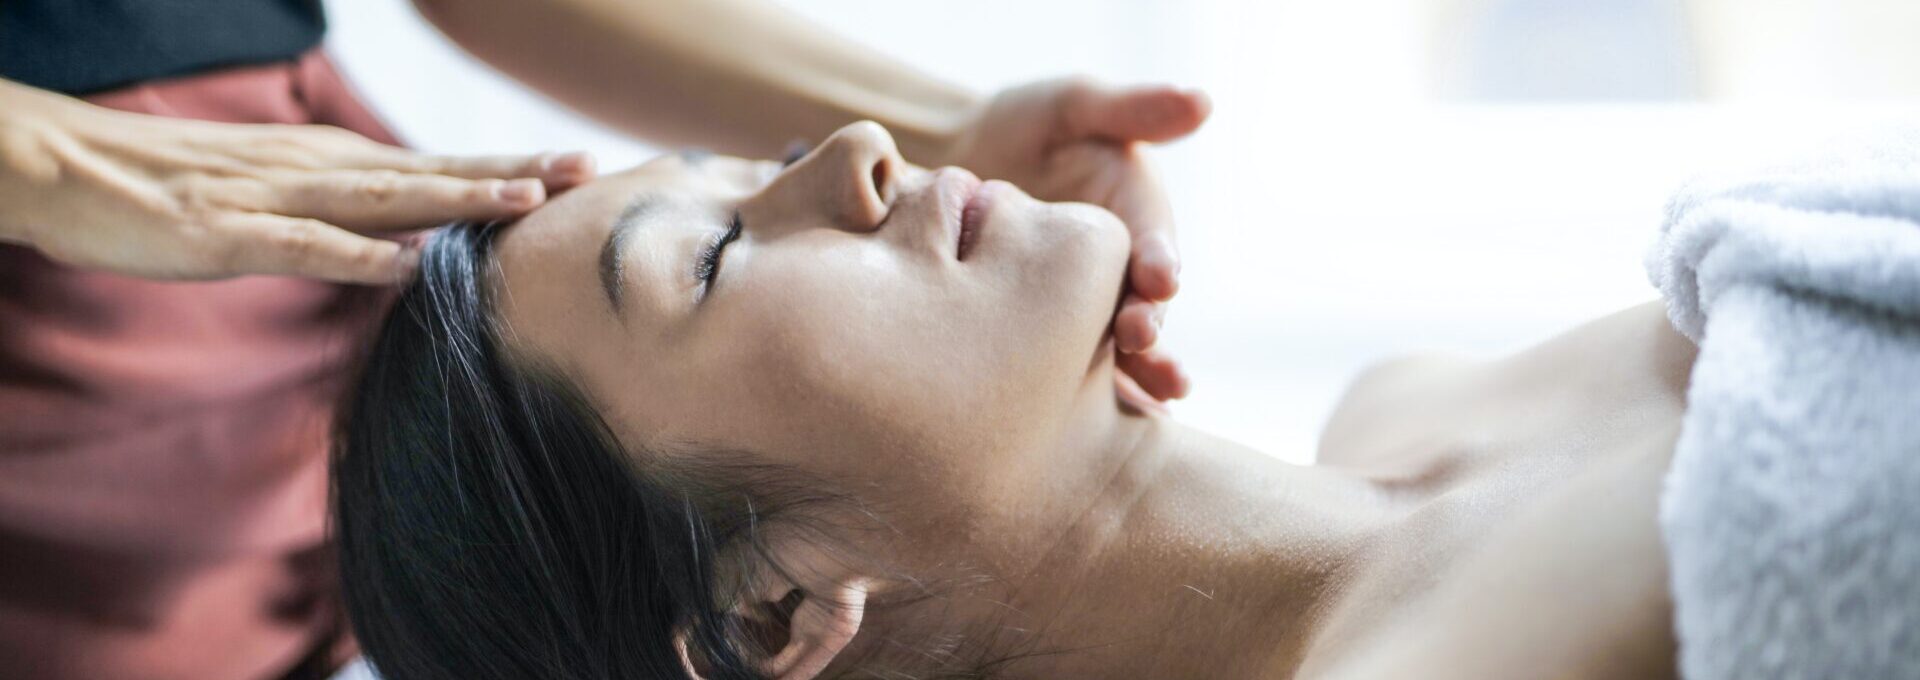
846 330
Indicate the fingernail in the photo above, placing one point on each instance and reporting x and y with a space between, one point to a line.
1156 248
1160 255
522 191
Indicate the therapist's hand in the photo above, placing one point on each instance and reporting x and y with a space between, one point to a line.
176 199
1078 140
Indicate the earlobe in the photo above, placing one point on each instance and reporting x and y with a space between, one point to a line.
820 629
686 660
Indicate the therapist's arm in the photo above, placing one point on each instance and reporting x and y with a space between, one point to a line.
736 76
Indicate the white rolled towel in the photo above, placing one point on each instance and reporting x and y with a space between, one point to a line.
1791 512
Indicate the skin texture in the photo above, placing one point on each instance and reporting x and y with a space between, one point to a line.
969 402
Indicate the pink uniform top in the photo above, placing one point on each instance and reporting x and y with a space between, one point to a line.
163 445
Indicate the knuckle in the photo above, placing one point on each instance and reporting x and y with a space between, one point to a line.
296 240
294 143
438 165
377 186
485 190
198 196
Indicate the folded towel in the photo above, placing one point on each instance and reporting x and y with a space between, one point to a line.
1791 512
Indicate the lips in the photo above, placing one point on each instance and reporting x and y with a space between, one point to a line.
973 215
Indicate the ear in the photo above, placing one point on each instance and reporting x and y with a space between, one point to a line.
820 627
803 631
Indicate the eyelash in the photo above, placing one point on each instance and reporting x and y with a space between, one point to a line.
795 151
709 265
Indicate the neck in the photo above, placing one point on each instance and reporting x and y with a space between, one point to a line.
1199 558
1143 548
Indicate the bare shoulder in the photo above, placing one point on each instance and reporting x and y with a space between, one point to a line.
1633 349
1415 405
1369 426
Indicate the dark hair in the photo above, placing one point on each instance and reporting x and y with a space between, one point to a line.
490 525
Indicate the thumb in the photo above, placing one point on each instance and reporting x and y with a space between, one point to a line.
1156 113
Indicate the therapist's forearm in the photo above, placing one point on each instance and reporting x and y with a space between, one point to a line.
737 76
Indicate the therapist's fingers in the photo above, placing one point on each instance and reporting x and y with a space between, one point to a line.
557 170
346 151
366 200
324 147
1131 395
1136 327
1152 113
259 243
1153 267
1156 372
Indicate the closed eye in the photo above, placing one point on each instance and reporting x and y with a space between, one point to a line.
707 268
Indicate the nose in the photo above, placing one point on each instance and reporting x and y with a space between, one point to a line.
856 171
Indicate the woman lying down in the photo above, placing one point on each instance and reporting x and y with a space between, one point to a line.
724 419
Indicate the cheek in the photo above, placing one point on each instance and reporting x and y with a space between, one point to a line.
845 357
854 361
1058 294
852 331
1078 257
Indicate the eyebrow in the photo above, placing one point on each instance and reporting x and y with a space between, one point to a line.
612 253
612 261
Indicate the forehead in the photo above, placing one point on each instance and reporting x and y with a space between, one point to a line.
683 182
549 293
585 213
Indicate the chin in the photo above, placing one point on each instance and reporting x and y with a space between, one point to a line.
1101 248
1046 337
1088 268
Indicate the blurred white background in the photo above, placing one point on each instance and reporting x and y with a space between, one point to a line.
1381 176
